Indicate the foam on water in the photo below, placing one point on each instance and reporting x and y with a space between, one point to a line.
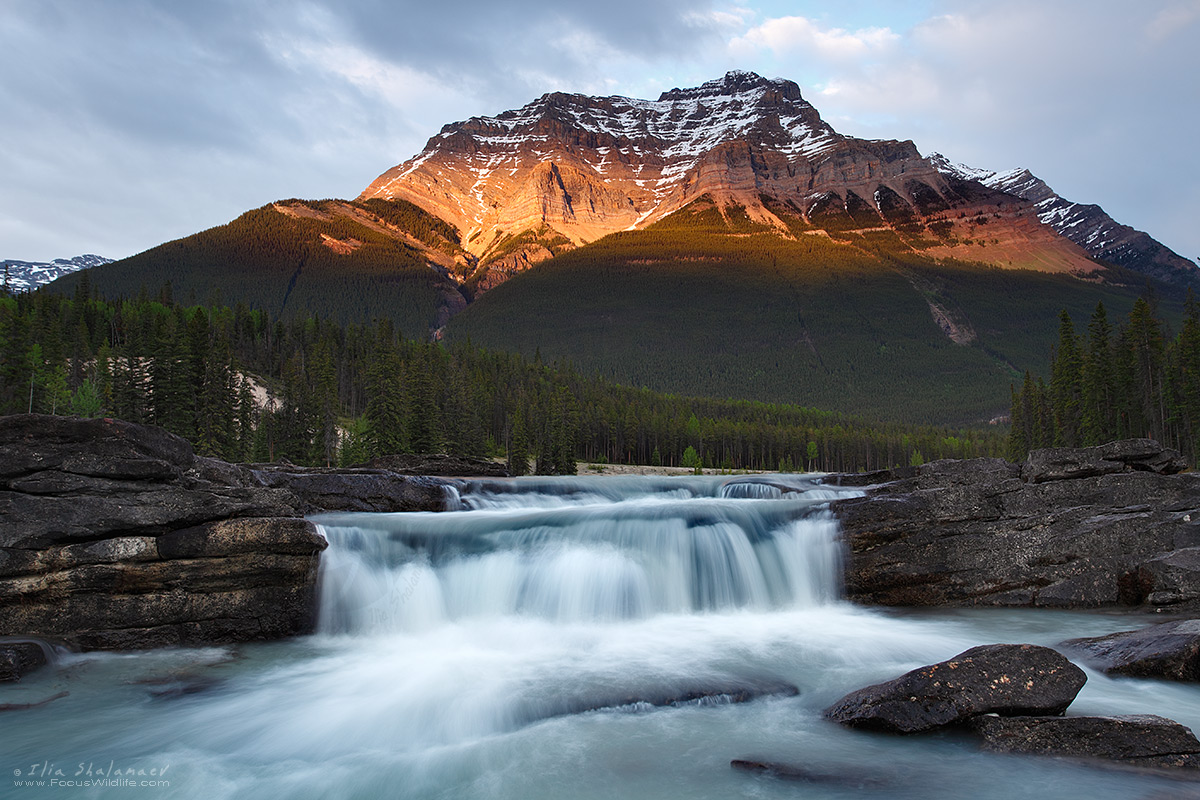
531 649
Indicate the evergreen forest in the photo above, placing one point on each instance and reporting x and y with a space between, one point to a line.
1112 381
243 384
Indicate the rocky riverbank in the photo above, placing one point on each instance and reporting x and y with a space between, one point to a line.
1099 527
117 536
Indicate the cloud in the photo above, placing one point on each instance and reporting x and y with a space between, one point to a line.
121 108
787 35
132 121
1172 21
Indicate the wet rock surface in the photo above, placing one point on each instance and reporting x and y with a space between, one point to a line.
715 692
991 692
1109 526
1170 650
1006 679
18 659
1143 740
115 536
802 773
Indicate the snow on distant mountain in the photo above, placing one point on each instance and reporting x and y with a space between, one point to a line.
1085 224
22 276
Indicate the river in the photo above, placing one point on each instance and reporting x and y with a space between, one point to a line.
561 638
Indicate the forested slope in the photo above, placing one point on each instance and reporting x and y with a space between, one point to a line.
342 394
346 262
712 304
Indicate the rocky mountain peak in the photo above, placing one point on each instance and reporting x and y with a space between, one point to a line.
737 82
566 169
1087 225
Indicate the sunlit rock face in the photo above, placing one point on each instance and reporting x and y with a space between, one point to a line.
579 167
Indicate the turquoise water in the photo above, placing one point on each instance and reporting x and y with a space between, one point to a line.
499 651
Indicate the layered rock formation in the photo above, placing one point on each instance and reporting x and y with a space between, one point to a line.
381 490
1085 528
582 167
116 536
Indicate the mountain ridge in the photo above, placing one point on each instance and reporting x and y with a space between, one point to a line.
24 276
775 259
575 168
1086 224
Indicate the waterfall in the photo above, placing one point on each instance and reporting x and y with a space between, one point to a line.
579 550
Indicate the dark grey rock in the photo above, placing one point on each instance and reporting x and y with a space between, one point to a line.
103 448
974 533
356 489
599 698
716 692
440 464
18 659
1142 740
1144 454
1008 679
115 536
1063 463
850 778
1170 650
36 704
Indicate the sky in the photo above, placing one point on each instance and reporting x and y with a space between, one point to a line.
127 123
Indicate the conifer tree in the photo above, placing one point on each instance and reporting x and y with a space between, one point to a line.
1066 373
425 429
386 415
1097 412
518 448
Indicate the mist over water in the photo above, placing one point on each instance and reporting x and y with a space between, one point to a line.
573 637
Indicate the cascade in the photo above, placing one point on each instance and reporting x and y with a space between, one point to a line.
568 550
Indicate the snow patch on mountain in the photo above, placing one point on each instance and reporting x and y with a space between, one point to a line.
22 276
665 138
1086 225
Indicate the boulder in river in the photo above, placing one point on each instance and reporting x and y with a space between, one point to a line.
19 658
1007 679
854 778
1169 650
1143 740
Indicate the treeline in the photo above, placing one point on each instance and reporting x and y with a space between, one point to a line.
243 386
1134 380
809 321
283 263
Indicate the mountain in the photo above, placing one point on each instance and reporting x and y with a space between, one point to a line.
21 276
1087 225
721 240
343 260
712 305
567 169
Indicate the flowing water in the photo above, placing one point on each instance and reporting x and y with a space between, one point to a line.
561 638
